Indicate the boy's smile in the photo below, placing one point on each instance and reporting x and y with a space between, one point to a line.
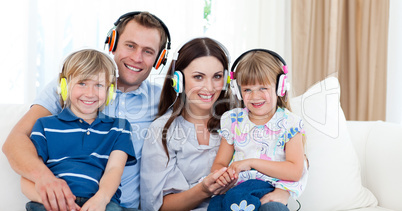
87 96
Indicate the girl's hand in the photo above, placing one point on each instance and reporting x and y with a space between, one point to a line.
226 188
224 179
278 195
210 185
94 203
239 166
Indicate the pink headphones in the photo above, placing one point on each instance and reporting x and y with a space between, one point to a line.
282 84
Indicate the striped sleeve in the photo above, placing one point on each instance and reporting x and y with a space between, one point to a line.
38 138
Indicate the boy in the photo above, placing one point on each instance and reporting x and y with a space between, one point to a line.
81 145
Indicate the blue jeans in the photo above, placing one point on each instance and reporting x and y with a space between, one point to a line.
273 206
112 206
242 196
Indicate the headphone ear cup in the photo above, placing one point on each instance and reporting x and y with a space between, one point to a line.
111 95
282 85
235 89
177 81
226 79
161 59
63 89
111 40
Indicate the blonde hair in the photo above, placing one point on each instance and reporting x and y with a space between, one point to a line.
84 64
261 67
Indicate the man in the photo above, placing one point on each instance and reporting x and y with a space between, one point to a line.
136 43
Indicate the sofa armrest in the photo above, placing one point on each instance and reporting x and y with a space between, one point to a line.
379 147
10 193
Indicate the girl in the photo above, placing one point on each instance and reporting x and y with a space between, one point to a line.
261 143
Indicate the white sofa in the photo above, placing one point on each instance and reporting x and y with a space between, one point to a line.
378 165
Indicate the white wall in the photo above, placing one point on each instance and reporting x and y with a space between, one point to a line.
394 77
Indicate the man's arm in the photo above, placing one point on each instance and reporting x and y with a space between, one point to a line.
23 158
19 149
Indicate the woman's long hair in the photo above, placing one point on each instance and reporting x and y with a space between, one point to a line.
190 51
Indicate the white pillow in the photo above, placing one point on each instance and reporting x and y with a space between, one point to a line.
334 181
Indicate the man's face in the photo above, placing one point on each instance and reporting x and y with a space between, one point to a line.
136 52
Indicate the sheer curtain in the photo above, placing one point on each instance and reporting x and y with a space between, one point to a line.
245 24
38 34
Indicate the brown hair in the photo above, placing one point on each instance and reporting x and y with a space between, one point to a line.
190 51
145 19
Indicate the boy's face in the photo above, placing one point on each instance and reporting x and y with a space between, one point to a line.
135 54
87 96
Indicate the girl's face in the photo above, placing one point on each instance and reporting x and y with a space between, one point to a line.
203 84
260 100
88 96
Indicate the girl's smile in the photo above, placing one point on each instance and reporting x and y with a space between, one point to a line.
260 100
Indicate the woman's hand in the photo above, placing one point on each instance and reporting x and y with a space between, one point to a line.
278 195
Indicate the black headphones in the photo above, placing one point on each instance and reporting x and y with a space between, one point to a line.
282 84
112 38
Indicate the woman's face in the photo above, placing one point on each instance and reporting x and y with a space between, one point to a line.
203 84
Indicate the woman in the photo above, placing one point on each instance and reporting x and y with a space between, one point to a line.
182 143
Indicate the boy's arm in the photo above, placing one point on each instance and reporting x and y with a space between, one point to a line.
109 182
23 158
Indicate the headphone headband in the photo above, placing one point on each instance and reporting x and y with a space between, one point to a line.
113 37
263 50
282 84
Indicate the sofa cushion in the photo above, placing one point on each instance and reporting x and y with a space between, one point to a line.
381 159
334 176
